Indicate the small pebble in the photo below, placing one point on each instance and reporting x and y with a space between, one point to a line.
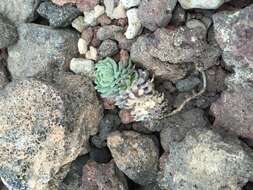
107 48
82 46
134 24
89 18
119 12
104 20
87 34
109 7
83 66
92 54
130 3
99 11
78 24
187 84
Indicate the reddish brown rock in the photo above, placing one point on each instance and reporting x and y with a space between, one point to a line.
233 111
102 177
87 34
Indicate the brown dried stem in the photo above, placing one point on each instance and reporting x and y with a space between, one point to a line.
195 95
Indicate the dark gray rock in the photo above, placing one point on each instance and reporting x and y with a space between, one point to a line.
103 177
44 127
176 127
154 14
3 76
136 155
179 16
74 177
100 155
39 49
187 84
109 123
153 186
8 33
19 11
140 53
206 160
58 16
107 48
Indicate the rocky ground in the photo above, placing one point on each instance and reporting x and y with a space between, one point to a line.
57 133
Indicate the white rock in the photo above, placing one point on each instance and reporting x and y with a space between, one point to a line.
109 7
82 46
99 10
78 23
119 12
92 54
134 24
83 66
201 4
130 3
89 18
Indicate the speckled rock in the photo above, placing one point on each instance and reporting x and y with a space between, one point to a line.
152 186
180 45
206 160
8 33
58 16
203 4
134 154
233 111
176 127
39 48
63 2
140 53
107 48
19 11
233 32
154 14
102 177
44 127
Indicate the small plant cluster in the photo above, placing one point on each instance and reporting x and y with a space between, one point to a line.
132 90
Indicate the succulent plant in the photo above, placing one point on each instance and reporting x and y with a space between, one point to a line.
133 91
112 79
130 89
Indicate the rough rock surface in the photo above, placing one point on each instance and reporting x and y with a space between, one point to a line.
180 45
40 48
43 128
108 32
233 32
107 48
203 4
19 11
206 160
102 177
140 53
154 14
58 16
176 127
8 33
134 154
